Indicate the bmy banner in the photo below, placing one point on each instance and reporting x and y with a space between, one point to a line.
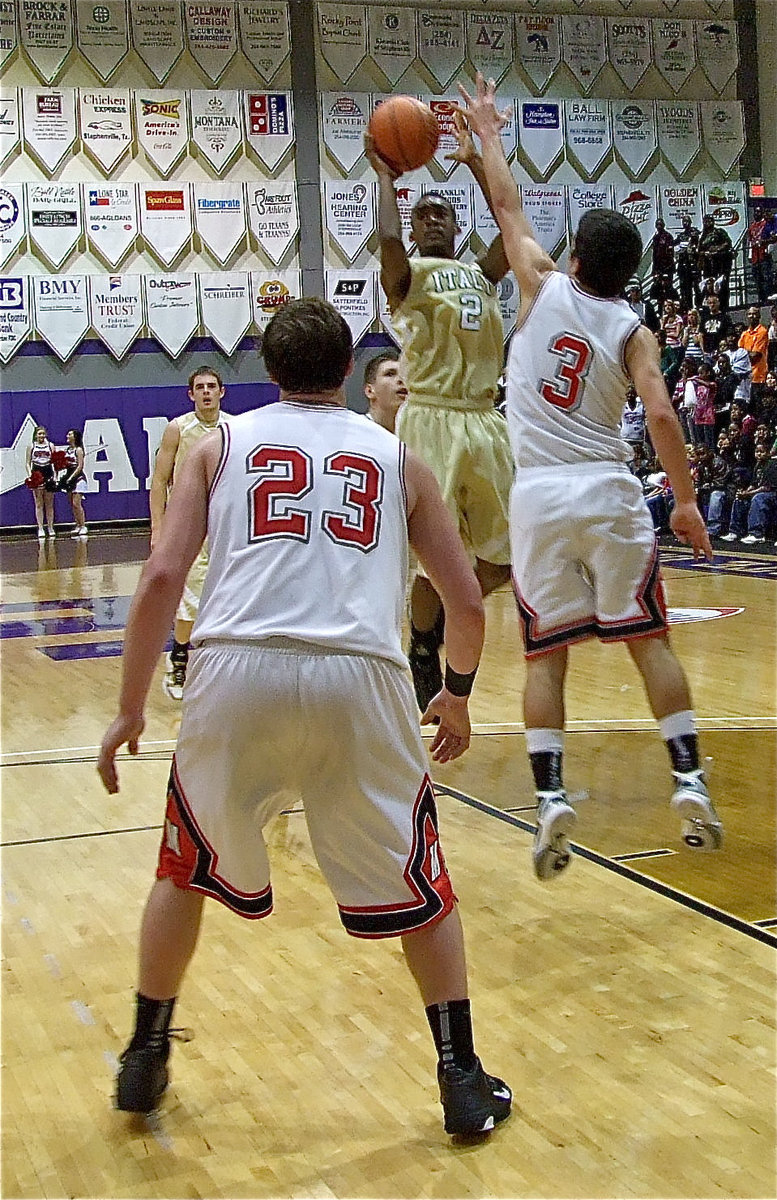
265 37
61 306
157 34
391 37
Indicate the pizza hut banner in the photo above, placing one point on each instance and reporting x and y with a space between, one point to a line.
640 204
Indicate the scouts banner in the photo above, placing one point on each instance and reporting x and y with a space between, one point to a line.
61 307
54 219
588 136
723 130
225 307
678 202
630 47
105 121
273 216
220 217
585 47
442 42
47 35
460 196
538 44
162 127
13 224
217 131
157 34
264 35
353 295
344 118
116 306
718 48
49 116
342 36
172 314
391 38
103 34
111 219
211 34
545 209
490 46
165 219
634 133
350 215
679 133
269 125
9 37
10 125
270 290
674 50
540 133
15 314
727 203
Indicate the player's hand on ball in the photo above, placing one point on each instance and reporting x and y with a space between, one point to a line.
379 165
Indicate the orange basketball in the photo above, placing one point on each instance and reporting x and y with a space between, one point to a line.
405 132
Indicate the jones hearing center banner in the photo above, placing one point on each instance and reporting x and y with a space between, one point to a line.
211 34
349 209
47 35
106 124
103 34
157 34
342 36
391 37
111 219
49 116
265 36
538 38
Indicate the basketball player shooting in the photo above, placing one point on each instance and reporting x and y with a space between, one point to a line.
585 556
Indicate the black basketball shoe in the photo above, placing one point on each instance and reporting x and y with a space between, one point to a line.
472 1101
143 1077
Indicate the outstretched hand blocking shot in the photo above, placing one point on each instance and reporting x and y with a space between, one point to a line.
585 556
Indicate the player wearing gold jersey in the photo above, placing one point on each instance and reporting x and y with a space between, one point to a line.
446 314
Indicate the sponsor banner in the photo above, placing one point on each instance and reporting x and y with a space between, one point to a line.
460 196
344 117
589 136
165 219
444 108
384 316
349 209
509 299
727 203
105 121
172 313
678 202
509 132
264 35
640 204
211 34
408 194
61 307
47 35
269 125
441 42
157 34
490 46
674 50
723 130
342 36
391 38
718 48
630 48
13 224
540 133
225 306
15 316
485 225
163 126
679 132
111 219
353 295
585 47
103 34
634 133
220 217
538 45
49 117
9 37
10 125
545 208
116 305
54 219
270 290
581 198
273 216
216 128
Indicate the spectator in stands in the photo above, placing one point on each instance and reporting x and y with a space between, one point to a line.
722 490
684 400
724 397
768 412
761 233
755 340
704 386
716 257
740 365
771 353
643 308
692 337
633 419
715 325
703 477
760 493
673 325
686 246
663 251
661 290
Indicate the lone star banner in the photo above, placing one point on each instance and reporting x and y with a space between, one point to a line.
111 219
116 305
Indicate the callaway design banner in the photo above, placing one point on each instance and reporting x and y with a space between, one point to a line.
211 34
391 37
157 34
111 219
273 216
49 116
103 34
61 306
342 36
264 35
116 305
106 124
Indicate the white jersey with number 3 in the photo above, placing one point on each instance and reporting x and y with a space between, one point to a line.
307 528
566 377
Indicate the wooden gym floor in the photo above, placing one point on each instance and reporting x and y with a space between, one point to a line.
631 1004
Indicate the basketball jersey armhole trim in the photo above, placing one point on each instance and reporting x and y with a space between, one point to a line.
626 339
225 439
521 323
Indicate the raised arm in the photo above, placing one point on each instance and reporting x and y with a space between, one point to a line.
162 478
525 255
394 262
493 262
642 362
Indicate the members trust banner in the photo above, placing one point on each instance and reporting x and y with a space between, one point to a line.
342 37
157 34
49 116
116 307
264 35
391 37
106 124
